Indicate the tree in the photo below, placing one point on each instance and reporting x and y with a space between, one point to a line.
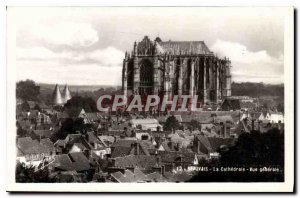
27 90
29 175
77 103
25 107
280 107
69 126
257 149
171 124
194 124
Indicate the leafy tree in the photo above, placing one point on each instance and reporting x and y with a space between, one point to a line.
171 124
20 131
77 103
29 175
27 90
25 106
256 149
69 126
194 124
280 107
251 150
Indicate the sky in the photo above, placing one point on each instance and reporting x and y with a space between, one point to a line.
86 45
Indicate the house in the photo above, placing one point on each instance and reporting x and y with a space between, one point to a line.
210 145
142 135
271 117
33 152
125 147
146 124
177 161
89 118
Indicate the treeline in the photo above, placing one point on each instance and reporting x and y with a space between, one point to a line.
256 89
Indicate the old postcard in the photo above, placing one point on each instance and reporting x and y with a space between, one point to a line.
150 99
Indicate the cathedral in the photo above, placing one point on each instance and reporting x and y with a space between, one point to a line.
176 68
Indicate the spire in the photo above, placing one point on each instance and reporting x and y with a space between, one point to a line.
66 94
57 99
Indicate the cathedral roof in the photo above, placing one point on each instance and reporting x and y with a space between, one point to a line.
183 47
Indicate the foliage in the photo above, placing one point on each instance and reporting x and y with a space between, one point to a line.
256 149
29 175
251 150
171 124
77 103
194 124
27 90
25 107
20 131
69 126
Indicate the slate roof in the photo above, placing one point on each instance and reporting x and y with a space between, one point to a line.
29 146
92 138
131 161
71 162
183 47
124 147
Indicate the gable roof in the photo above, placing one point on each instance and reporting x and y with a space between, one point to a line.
72 161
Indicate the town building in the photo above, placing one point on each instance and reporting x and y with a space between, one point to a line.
176 68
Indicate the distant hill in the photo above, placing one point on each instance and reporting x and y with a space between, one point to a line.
257 89
46 90
75 88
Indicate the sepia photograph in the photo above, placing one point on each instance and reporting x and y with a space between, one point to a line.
150 99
